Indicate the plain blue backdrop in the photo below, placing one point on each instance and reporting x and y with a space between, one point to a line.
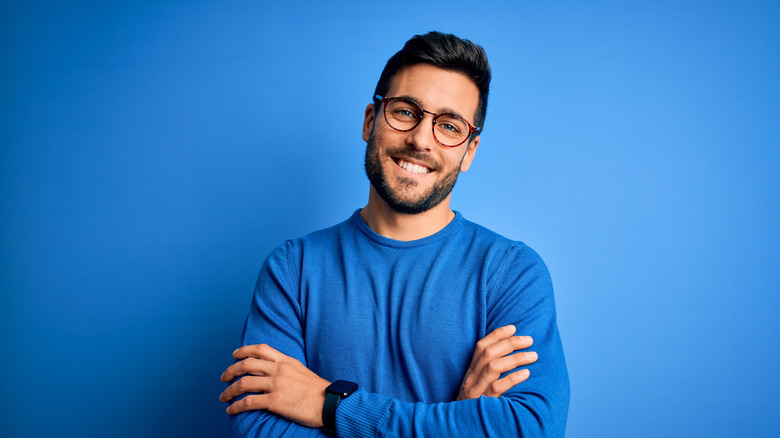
153 153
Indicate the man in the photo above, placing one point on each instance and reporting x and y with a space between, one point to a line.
400 321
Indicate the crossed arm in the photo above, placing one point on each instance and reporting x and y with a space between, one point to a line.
275 393
283 385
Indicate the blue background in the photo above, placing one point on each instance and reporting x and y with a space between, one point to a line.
153 153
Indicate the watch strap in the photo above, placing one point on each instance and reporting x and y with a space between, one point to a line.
337 390
329 412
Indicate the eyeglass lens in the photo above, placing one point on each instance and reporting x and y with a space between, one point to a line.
404 115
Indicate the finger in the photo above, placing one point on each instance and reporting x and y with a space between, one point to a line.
506 383
504 347
501 348
493 369
248 403
493 337
250 365
260 351
244 385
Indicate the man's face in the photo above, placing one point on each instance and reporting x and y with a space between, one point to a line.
409 170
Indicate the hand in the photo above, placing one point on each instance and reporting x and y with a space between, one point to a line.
491 359
283 385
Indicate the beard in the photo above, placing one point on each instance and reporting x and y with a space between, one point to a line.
412 204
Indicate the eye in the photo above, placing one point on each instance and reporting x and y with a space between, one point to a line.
403 110
450 124
404 113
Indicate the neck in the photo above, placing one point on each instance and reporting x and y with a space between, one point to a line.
405 227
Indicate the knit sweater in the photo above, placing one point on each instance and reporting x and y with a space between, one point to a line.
401 319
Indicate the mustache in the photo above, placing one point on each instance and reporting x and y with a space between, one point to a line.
410 154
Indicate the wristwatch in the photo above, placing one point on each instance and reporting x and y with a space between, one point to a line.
336 391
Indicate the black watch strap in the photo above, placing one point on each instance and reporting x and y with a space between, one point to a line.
337 390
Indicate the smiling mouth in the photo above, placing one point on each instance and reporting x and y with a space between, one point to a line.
411 167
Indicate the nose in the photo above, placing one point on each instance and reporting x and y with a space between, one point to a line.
421 137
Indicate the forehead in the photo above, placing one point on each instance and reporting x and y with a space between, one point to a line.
436 89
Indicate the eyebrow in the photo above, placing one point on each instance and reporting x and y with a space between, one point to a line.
442 110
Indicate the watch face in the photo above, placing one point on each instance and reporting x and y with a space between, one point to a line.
342 387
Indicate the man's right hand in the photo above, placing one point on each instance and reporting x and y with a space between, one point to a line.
492 357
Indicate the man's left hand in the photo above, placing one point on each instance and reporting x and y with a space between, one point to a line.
280 383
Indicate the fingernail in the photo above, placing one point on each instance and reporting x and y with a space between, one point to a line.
511 327
234 351
532 355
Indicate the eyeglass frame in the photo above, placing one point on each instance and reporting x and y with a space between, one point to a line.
385 100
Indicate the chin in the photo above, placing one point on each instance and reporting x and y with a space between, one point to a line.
377 173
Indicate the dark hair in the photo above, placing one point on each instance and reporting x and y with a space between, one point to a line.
445 51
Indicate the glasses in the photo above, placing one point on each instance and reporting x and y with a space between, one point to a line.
449 130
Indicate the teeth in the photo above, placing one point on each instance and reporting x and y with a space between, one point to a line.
414 168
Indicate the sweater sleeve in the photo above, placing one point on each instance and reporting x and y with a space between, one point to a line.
537 407
274 319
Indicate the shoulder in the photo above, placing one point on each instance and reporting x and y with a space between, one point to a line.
290 253
512 266
499 250
325 240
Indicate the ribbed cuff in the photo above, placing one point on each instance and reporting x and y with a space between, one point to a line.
361 414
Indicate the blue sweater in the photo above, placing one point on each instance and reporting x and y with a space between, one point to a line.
402 319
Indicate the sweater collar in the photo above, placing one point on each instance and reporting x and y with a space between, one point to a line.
448 230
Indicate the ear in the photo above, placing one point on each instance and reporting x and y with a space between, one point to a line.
469 157
368 122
